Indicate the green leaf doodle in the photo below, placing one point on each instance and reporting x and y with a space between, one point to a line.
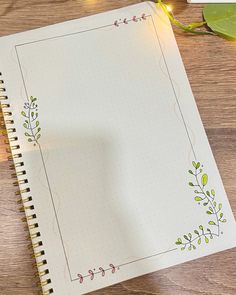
211 222
204 180
30 124
205 197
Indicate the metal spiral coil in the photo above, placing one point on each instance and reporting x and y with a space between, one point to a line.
21 182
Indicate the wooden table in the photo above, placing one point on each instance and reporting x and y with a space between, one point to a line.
211 67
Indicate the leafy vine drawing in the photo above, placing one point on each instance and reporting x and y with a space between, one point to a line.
31 123
205 198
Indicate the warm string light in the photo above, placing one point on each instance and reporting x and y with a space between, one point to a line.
191 28
169 8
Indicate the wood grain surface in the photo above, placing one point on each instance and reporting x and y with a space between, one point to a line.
211 67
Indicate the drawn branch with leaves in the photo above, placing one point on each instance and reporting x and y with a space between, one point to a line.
31 122
205 198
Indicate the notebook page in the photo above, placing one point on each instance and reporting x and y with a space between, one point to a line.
119 131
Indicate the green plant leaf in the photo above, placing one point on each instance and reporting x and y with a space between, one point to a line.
206 240
221 215
186 237
191 184
204 179
213 192
199 241
190 171
178 242
194 164
196 232
33 98
200 227
220 206
209 212
27 134
198 199
34 134
211 222
221 18
224 220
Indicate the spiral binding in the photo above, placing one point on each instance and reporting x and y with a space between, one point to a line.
21 182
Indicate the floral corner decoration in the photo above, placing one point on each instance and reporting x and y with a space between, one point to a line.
206 198
31 123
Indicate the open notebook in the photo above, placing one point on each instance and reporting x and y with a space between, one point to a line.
115 171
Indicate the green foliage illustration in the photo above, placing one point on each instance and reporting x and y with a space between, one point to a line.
31 122
206 198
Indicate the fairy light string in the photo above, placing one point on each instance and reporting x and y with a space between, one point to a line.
191 28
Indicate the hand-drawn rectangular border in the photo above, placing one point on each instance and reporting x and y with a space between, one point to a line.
179 107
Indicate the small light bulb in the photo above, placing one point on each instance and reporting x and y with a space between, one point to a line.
169 9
